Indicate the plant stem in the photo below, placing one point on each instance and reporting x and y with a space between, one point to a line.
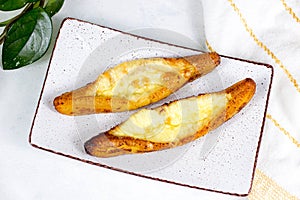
2 36
42 3
9 22
2 24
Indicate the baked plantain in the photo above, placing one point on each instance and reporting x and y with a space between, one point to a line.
173 124
134 84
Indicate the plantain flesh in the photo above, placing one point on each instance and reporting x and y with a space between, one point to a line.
173 124
134 84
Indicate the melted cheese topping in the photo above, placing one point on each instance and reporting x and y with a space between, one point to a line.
136 80
173 122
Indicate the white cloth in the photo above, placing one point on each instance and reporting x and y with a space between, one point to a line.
278 34
28 173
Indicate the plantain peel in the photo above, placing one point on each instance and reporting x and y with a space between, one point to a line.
134 84
173 124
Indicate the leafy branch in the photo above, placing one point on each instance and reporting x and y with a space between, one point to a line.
7 23
26 36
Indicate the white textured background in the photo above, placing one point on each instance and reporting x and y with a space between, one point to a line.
28 173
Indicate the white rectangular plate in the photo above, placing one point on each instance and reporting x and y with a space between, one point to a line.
222 161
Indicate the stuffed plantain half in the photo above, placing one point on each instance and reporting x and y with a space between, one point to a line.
134 84
173 124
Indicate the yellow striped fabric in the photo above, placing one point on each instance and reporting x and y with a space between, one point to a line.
290 11
263 46
265 188
283 130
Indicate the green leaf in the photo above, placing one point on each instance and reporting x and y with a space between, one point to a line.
27 39
53 6
7 5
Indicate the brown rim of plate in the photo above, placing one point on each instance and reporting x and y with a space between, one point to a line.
136 174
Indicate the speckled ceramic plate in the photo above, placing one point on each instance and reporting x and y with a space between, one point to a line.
222 161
